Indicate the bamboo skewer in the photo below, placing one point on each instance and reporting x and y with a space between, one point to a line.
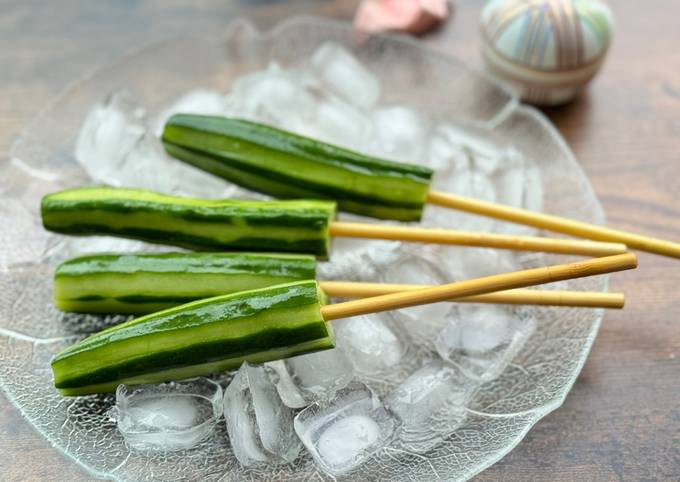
347 289
554 223
467 238
478 286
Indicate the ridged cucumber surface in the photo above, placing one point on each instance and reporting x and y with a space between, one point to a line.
299 226
198 338
143 283
286 165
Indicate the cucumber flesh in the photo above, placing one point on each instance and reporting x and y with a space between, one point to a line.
287 165
144 283
198 338
292 226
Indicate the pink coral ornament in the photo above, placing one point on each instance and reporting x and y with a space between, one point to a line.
412 16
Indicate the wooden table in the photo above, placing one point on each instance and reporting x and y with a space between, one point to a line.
622 419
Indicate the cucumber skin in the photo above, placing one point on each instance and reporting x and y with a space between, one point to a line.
292 226
143 283
197 339
287 165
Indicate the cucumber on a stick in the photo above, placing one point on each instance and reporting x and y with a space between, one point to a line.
220 333
142 283
205 336
287 165
297 226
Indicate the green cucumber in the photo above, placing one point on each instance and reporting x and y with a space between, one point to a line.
286 165
143 283
198 338
291 226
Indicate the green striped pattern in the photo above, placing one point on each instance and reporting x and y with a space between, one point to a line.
139 284
198 338
290 226
287 165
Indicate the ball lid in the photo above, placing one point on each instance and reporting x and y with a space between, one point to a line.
552 35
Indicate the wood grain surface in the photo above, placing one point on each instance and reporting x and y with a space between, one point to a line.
621 421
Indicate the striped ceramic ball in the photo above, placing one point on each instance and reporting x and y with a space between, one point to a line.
548 49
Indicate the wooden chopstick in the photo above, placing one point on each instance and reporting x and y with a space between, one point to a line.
469 238
587 299
554 223
478 286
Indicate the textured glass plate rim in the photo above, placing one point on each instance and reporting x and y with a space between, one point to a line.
512 106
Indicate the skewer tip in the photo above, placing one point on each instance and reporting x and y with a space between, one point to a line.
633 259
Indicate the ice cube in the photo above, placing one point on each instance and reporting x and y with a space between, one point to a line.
464 162
467 263
345 438
288 391
369 342
442 155
186 180
518 183
431 404
480 144
508 180
470 162
413 269
466 183
110 130
400 134
260 426
148 166
342 73
427 390
343 433
482 339
197 101
533 187
337 122
321 374
470 183
463 181
358 259
275 96
116 147
170 416
165 413
343 247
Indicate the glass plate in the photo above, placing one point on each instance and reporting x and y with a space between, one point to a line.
31 330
